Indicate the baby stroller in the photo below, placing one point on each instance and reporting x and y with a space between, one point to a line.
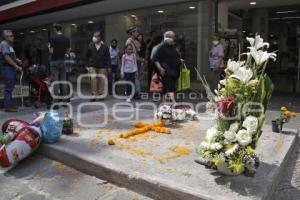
39 83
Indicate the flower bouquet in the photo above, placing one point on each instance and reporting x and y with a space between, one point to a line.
240 104
167 112
284 117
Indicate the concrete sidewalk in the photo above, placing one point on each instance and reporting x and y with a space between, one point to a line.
39 178
162 166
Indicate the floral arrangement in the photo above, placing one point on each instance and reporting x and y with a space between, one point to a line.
240 104
166 112
285 115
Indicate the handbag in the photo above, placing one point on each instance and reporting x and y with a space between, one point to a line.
184 80
156 84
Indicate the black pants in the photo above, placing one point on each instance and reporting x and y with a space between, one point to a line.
131 78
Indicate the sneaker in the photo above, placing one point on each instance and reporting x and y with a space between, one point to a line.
11 110
128 100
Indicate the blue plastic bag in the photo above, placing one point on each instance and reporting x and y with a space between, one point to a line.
51 127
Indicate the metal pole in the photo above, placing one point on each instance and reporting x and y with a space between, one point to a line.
298 75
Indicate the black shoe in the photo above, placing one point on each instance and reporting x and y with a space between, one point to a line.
55 107
137 96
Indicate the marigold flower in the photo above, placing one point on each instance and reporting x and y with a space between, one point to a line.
283 109
287 114
293 114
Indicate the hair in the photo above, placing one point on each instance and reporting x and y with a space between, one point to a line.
98 32
114 40
169 34
216 37
6 32
127 45
58 27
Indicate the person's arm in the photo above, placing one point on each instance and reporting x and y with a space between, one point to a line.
156 59
68 49
122 65
221 57
12 62
108 59
50 46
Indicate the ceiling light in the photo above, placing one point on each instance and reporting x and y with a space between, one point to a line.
244 31
296 17
160 11
192 7
21 33
44 29
287 11
32 31
73 24
252 3
275 18
90 22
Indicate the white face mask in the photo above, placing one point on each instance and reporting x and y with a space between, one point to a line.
169 40
95 39
215 42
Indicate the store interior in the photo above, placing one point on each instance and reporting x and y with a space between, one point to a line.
278 22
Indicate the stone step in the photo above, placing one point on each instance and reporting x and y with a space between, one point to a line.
38 178
148 165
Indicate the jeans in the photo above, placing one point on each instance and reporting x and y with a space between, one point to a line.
131 78
58 73
9 75
112 77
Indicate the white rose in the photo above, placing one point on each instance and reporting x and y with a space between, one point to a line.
216 146
204 145
234 127
159 115
251 124
166 116
244 137
211 134
230 136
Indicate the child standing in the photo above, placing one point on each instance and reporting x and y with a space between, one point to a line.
128 69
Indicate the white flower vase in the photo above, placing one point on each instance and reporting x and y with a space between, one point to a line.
222 168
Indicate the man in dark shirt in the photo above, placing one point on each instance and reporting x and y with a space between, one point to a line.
59 46
9 65
98 62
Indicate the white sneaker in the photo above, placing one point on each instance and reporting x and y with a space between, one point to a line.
128 100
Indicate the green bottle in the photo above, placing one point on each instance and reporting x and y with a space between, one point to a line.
67 125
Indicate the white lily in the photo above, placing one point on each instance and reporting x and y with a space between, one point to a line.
233 66
243 74
257 42
261 56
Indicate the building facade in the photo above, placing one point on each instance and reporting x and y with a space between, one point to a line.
194 21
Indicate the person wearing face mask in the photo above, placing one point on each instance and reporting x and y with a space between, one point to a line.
115 63
98 62
216 62
167 62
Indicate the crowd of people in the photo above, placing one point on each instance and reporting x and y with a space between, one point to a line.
140 60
